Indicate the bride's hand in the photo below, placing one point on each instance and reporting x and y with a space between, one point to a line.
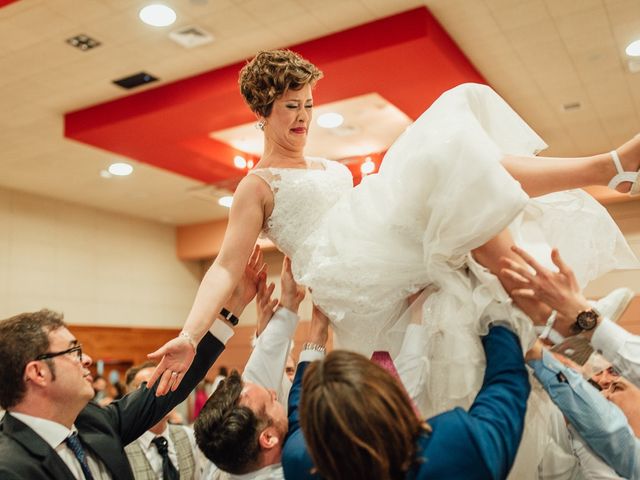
177 355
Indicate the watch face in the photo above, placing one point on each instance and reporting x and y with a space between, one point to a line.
587 320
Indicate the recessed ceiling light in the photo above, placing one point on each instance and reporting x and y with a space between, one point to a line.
367 166
225 201
157 15
120 169
330 120
239 161
633 49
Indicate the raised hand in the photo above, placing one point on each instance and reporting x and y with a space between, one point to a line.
319 327
559 290
247 287
292 293
176 357
265 304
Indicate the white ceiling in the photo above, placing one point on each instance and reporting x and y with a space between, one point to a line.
538 54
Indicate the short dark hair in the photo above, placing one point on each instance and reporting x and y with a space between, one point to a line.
22 338
133 371
268 75
357 419
227 432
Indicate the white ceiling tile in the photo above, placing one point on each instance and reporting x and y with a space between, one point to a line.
620 127
560 8
273 11
229 22
520 14
343 16
385 8
79 11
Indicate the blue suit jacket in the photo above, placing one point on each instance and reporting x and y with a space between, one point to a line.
478 444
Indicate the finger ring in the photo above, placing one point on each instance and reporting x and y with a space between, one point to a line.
174 374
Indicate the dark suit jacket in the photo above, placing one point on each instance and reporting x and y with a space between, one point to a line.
103 431
478 444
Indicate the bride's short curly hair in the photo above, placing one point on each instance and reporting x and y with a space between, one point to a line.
270 74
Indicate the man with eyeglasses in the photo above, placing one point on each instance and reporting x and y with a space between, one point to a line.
51 429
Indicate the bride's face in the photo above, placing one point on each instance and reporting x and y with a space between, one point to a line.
290 118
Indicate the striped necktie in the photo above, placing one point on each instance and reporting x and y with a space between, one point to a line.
73 442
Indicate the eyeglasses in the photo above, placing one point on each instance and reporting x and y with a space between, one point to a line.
77 350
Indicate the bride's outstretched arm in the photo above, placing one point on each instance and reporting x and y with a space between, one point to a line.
245 222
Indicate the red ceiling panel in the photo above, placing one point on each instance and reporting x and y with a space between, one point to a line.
407 58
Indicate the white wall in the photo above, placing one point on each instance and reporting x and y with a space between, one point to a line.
97 267
101 268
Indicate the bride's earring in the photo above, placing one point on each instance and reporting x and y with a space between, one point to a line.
260 125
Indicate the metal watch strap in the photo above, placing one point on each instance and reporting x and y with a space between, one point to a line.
315 347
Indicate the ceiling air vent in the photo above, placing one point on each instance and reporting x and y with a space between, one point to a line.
135 80
571 106
83 42
191 36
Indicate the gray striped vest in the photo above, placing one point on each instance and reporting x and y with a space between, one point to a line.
186 463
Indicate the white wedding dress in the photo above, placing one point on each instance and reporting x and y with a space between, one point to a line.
440 192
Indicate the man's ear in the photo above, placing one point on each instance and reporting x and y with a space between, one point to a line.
268 438
36 373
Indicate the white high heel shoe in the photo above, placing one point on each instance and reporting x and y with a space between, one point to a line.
622 176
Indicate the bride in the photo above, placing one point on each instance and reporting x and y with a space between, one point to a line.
453 194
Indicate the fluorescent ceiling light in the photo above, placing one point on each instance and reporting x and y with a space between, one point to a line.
120 169
330 120
157 15
633 49
225 201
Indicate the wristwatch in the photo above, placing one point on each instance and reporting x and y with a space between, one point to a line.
585 321
229 317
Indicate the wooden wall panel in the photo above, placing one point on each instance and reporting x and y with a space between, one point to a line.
123 347
129 346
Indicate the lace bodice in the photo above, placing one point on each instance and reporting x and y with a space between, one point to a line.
301 197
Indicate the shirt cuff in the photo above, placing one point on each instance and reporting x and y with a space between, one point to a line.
310 356
283 322
546 368
221 331
608 338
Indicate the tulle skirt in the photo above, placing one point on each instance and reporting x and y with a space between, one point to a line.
440 193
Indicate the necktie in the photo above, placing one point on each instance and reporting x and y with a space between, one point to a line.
169 471
383 358
73 442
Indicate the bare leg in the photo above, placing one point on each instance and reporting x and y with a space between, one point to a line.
489 256
542 175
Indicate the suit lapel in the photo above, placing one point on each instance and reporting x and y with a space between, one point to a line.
108 450
37 447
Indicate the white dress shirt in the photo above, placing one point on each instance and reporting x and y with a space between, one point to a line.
265 367
266 364
620 347
270 472
55 434
592 466
155 459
